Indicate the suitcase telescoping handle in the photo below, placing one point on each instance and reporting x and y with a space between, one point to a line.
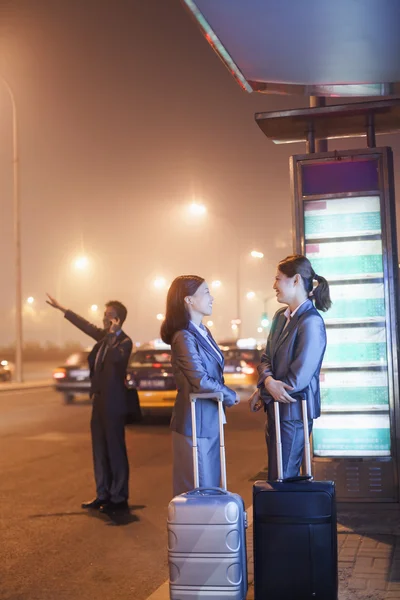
220 399
307 449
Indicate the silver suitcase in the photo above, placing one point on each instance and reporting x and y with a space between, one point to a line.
207 534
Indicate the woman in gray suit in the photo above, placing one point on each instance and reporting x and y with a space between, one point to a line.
292 359
198 365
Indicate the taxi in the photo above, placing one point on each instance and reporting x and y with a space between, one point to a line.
150 373
241 360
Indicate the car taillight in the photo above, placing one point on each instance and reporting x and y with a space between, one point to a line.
59 374
156 365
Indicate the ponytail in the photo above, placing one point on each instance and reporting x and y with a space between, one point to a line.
321 294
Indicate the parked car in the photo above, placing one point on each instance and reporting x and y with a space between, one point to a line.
72 377
241 361
150 373
6 370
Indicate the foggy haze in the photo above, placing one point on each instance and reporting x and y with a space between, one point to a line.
126 117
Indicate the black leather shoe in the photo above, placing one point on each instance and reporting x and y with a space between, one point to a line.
95 504
113 507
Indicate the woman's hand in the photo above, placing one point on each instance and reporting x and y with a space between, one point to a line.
277 389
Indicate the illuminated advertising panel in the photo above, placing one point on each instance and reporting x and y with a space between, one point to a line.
343 240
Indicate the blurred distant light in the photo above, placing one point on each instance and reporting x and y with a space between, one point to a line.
30 300
259 329
216 284
197 210
81 263
210 323
160 317
236 321
264 322
4 363
234 327
246 343
94 308
250 295
159 283
256 254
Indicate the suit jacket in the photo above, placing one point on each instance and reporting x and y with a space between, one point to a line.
197 368
294 356
108 378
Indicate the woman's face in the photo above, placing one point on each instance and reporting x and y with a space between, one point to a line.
201 302
285 287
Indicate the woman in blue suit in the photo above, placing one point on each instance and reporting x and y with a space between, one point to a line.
292 359
198 366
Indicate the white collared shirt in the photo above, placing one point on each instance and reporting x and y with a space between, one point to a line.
289 315
203 331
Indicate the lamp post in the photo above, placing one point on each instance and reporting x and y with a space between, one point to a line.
197 209
17 238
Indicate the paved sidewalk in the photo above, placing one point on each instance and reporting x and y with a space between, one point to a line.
369 552
10 387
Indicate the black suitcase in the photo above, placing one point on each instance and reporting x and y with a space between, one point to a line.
295 536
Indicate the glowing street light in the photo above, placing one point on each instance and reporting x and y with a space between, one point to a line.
260 329
30 300
81 263
250 295
256 254
216 284
197 210
94 308
234 327
160 317
210 323
159 283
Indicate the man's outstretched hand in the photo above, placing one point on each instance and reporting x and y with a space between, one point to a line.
53 302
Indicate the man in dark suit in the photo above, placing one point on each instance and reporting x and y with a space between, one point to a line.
108 361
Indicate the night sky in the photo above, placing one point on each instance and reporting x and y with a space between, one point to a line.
126 116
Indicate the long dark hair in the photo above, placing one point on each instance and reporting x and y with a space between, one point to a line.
176 314
297 264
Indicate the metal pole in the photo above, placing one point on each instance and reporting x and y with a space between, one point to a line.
371 138
17 240
310 143
238 306
316 101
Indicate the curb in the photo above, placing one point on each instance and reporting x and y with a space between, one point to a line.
11 387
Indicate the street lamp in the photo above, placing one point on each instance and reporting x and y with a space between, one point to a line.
17 238
216 284
30 300
81 263
250 295
159 283
197 210
94 308
256 254
160 317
